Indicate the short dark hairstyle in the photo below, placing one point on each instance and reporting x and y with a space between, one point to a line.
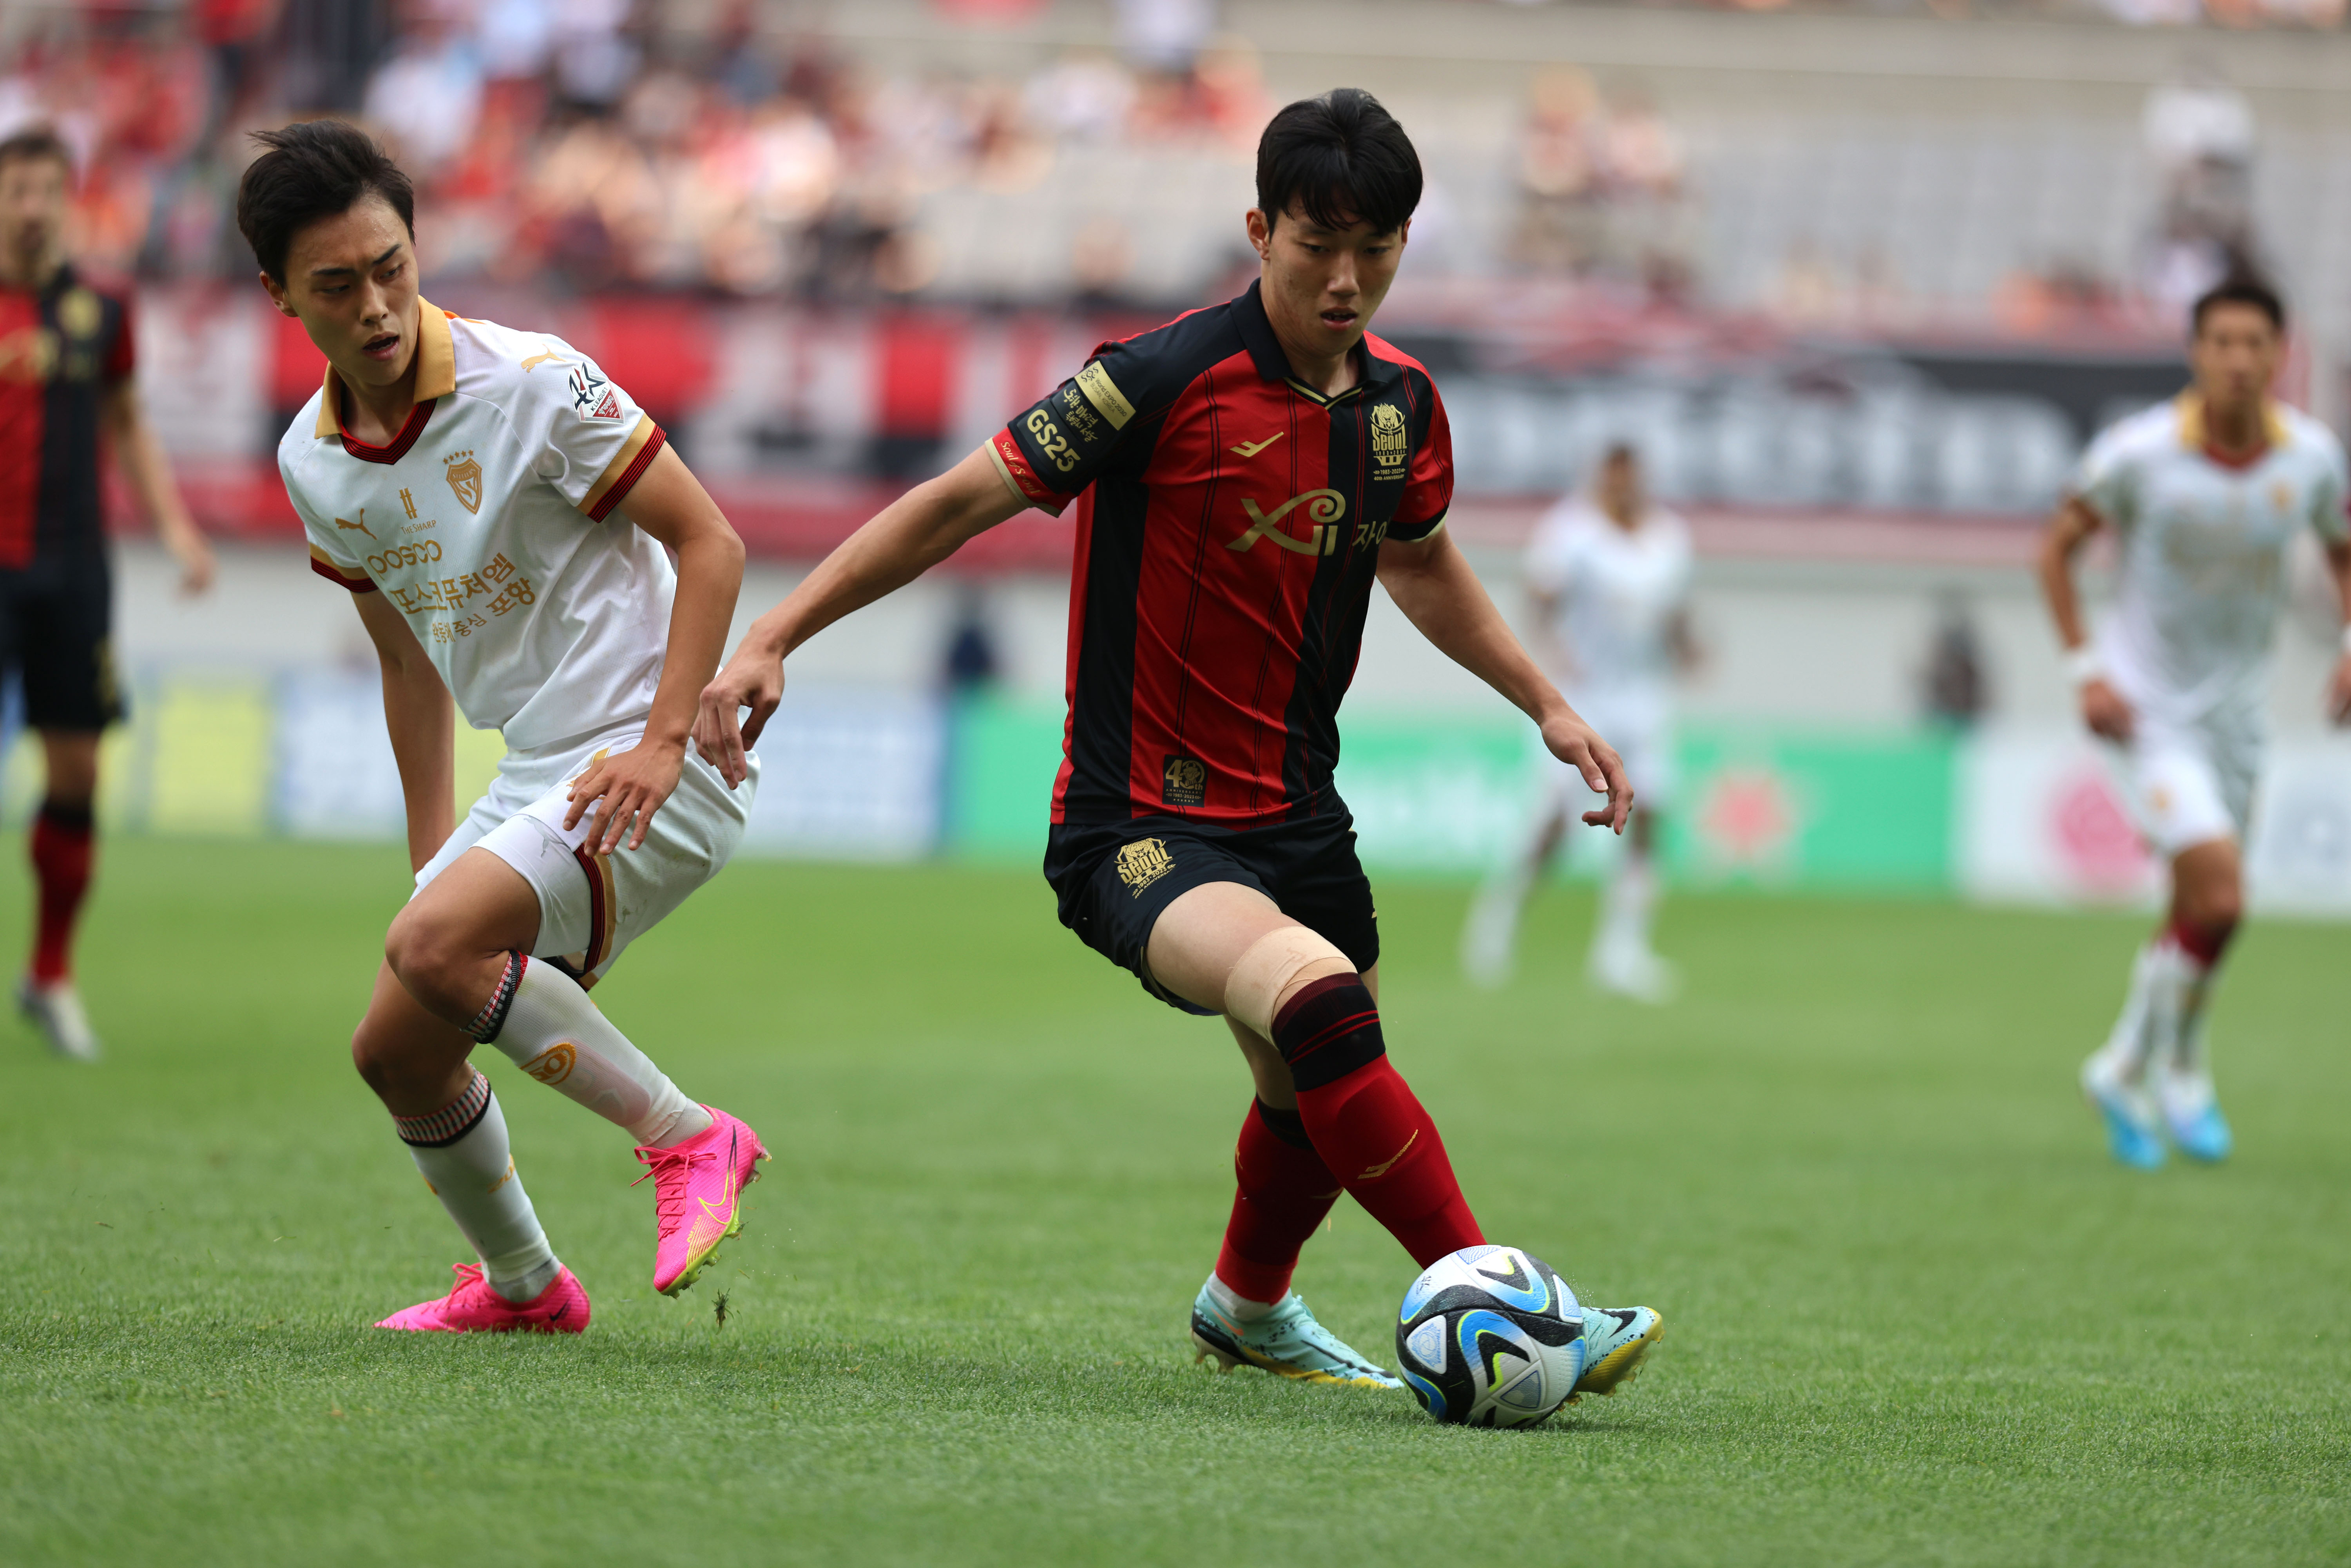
310 170
37 141
1343 158
2243 289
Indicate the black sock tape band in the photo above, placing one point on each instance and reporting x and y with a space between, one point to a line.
1331 1028
1287 1125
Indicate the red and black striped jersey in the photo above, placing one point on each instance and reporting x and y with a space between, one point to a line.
62 348
1230 523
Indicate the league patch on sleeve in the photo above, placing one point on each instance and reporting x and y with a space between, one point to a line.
593 397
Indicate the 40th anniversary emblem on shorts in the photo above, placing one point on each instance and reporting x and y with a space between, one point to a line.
1142 862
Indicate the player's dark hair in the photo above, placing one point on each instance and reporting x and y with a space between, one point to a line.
314 169
36 142
1342 158
2239 290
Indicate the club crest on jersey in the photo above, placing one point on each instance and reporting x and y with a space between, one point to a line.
1391 444
1183 781
464 476
79 313
1142 862
1323 509
592 396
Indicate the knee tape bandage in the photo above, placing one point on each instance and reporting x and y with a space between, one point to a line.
1274 965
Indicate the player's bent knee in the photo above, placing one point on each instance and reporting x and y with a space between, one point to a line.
1273 969
425 954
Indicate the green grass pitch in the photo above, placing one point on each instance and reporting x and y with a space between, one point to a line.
1914 1316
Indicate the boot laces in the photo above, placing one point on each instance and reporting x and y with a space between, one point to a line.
671 1170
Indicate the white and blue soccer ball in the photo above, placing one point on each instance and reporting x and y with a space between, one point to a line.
1491 1336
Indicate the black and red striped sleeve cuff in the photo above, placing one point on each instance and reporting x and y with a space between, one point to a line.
341 576
1013 464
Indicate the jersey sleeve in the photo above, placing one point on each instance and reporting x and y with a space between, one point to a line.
2330 501
1428 485
332 553
1071 436
122 354
585 435
2107 480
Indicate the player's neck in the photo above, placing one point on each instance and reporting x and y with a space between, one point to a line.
32 274
2234 427
374 415
1329 375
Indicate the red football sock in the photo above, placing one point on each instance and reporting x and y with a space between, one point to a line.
2205 944
1285 1189
61 847
1365 1122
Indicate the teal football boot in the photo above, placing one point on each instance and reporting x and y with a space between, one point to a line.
1286 1342
2194 1115
2131 1132
1617 1341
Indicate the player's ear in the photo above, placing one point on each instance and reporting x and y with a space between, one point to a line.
1260 233
277 294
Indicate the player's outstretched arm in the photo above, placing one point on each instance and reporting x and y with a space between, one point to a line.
420 717
2103 707
902 541
669 504
1431 582
140 456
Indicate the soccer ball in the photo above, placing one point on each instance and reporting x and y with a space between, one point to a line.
1491 1336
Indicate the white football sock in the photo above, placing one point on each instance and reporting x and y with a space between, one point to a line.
463 1154
552 1031
1237 1307
2145 1018
1628 906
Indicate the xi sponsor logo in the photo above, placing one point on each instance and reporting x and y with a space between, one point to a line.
1325 508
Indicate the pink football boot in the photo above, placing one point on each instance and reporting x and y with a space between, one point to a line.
699 1195
472 1307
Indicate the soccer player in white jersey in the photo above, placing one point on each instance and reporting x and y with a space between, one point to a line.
1609 573
498 510
2207 494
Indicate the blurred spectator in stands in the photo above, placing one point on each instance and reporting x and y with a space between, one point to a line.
1086 97
1954 690
971 665
427 97
1809 290
1558 173
1164 36
2200 133
594 60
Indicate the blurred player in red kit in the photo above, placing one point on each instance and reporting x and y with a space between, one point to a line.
65 360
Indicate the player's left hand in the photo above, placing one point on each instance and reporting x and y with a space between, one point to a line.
197 563
632 785
2338 692
1575 743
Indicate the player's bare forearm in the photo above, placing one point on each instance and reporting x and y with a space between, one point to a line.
2069 529
628 787
2338 690
1431 582
139 452
897 545
905 540
420 717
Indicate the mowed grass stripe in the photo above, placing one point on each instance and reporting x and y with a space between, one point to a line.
1914 1315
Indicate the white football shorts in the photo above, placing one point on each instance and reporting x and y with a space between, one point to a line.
590 907
1643 733
2190 784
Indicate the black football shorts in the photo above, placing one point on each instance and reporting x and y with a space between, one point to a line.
56 618
1113 880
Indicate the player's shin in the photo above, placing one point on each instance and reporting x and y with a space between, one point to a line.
62 844
1282 1192
1364 1120
463 1154
542 1020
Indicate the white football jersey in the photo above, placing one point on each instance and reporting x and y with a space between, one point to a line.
2204 546
1616 593
491 521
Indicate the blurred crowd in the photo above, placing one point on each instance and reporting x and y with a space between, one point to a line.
1602 187
579 143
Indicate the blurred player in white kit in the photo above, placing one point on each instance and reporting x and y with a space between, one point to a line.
1609 573
2208 493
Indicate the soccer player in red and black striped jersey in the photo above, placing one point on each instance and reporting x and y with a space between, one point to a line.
65 378
1241 475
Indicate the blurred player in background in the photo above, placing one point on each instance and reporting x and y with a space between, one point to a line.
1241 475
1609 573
466 483
65 360
2207 494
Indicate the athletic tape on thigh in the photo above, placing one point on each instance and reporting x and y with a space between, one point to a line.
1253 990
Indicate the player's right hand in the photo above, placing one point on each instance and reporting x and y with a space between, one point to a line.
2104 711
723 740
